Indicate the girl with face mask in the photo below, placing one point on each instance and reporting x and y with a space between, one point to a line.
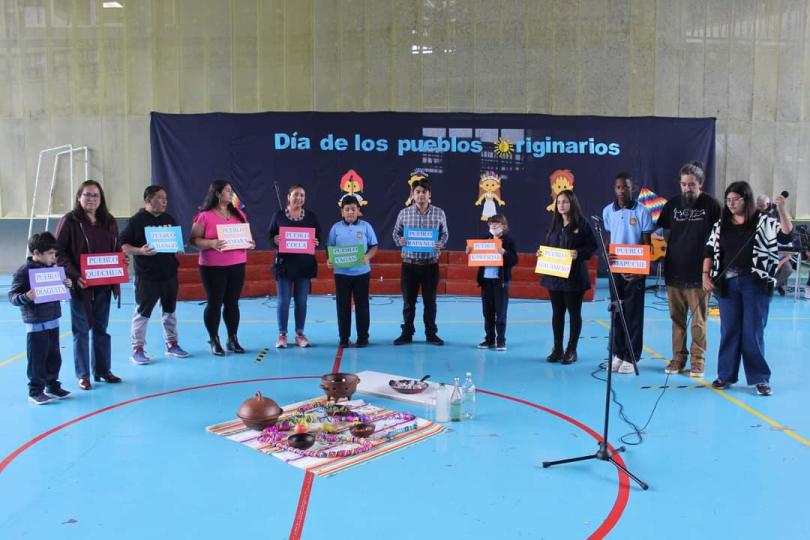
494 282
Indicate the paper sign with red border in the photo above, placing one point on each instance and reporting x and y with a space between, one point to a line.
553 261
236 235
104 269
296 240
485 252
630 259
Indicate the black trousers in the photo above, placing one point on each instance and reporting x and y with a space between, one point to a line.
631 295
44 361
223 286
495 301
348 288
414 277
562 301
148 292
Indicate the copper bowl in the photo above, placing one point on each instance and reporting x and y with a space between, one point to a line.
339 385
259 412
362 430
408 386
301 441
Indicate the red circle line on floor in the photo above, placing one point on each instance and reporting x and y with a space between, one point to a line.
610 521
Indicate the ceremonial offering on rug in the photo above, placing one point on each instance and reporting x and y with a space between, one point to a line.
335 448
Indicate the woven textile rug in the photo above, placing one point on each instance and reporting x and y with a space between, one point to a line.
391 434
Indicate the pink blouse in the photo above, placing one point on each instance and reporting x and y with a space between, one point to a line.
211 257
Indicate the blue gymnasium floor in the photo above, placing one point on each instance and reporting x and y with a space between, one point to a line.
720 464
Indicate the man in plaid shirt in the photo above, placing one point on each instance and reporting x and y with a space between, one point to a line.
420 268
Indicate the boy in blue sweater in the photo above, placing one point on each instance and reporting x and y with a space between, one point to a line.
41 323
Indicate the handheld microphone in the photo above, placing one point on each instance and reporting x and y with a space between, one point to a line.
596 219
785 194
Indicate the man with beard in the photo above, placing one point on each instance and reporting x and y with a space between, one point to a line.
687 221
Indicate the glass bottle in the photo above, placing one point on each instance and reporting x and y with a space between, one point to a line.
469 397
456 402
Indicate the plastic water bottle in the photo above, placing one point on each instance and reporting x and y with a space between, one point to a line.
442 404
456 402
469 397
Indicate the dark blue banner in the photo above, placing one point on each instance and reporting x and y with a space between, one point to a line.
477 164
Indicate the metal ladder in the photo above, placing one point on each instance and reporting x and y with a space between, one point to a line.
65 149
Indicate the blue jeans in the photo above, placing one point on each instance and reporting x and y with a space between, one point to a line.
743 315
99 316
287 288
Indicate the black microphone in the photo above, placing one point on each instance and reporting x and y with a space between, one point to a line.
785 194
597 219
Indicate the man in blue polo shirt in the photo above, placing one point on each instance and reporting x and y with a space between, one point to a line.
352 283
628 222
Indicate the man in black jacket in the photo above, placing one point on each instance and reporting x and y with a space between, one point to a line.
155 275
41 323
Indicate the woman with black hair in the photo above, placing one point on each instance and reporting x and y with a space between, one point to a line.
568 230
222 271
740 268
89 228
293 271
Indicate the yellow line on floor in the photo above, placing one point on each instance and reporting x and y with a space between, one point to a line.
773 423
22 354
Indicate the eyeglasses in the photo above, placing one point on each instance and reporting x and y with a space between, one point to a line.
91 195
733 200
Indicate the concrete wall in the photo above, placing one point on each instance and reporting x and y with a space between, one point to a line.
74 72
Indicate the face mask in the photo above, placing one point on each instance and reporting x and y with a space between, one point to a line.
495 231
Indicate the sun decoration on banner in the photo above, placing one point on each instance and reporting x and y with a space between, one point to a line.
504 147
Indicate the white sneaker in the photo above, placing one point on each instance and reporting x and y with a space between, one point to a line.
807 292
626 367
616 363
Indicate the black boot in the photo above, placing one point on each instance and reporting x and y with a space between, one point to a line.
555 356
570 356
233 345
216 348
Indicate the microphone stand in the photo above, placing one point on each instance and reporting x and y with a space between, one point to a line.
604 453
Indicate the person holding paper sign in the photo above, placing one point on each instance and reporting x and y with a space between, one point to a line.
740 262
568 230
41 322
89 228
222 271
628 222
494 282
352 282
155 275
420 268
294 271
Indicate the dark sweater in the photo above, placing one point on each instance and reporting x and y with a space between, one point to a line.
294 265
76 237
160 266
31 313
580 238
510 259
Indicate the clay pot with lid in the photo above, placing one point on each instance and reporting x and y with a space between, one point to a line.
339 385
259 412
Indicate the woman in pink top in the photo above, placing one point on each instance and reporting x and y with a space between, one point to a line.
222 272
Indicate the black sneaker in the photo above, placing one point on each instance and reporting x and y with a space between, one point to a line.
764 389
39 399
361 343
720 384
435 340
343 343
403 339
57 393
555 356
486 345
781 291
